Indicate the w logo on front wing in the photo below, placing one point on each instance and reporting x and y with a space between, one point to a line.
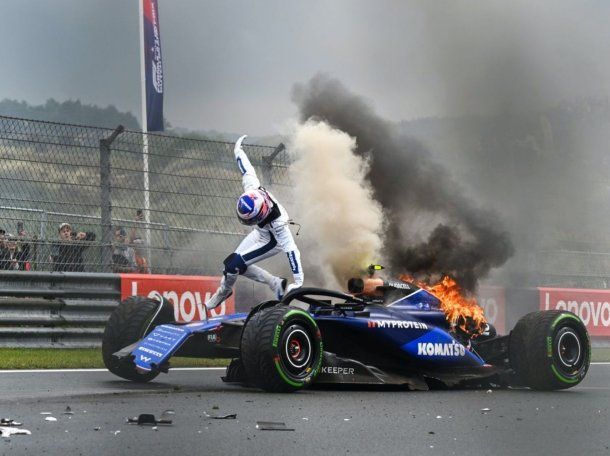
146 359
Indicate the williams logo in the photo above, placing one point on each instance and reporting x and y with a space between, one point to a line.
397 324
430 349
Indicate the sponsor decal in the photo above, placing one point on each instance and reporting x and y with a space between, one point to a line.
399 285
591 306
337 370
187 294
152 352
276 336
397 324
493 302
213 338
158 340
146 359
440 349
293 262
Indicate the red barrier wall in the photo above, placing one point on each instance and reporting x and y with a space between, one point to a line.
592 306
188 294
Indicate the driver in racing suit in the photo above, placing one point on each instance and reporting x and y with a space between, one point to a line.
271 235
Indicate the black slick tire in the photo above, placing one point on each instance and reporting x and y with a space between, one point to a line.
128 323
281 349
519 349
551 350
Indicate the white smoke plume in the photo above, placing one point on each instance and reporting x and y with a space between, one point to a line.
341 222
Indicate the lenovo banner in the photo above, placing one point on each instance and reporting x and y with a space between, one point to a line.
493 302
188 294
592 306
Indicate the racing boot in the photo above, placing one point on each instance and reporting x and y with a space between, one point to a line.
279 287
224 291
277 284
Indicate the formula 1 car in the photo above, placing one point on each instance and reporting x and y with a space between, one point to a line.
398 335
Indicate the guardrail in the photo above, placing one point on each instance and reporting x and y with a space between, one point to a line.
70 309
43 309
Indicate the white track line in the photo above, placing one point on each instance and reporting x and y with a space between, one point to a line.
61 371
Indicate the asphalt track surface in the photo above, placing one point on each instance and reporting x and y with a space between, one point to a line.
325 422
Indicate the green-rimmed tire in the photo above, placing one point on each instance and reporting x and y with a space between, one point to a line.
281 349
550 350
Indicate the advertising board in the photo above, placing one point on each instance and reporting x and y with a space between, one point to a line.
592 306
188 294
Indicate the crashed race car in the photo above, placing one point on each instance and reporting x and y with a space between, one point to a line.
384 332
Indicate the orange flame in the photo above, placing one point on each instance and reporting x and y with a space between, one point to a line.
460 311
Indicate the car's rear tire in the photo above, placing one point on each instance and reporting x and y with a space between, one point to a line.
550 350
281 349
128 323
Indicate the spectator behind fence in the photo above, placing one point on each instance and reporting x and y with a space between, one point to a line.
23 247
9 255
67 254
141 261
138 246
123 255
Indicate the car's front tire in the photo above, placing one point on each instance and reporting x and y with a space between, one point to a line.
128 323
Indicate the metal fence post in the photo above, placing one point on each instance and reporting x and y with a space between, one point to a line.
41 251
105 199
268 164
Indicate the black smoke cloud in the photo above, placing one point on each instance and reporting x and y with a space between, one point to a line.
408 184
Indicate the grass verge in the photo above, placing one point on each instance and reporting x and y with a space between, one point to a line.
600 355
77 358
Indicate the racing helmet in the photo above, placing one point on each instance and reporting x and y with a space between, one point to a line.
253 206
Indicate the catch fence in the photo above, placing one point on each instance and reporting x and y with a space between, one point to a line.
96 180
166 199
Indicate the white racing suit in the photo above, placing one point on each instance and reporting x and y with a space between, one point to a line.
267 239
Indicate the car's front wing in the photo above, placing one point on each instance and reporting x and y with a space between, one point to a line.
155 350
